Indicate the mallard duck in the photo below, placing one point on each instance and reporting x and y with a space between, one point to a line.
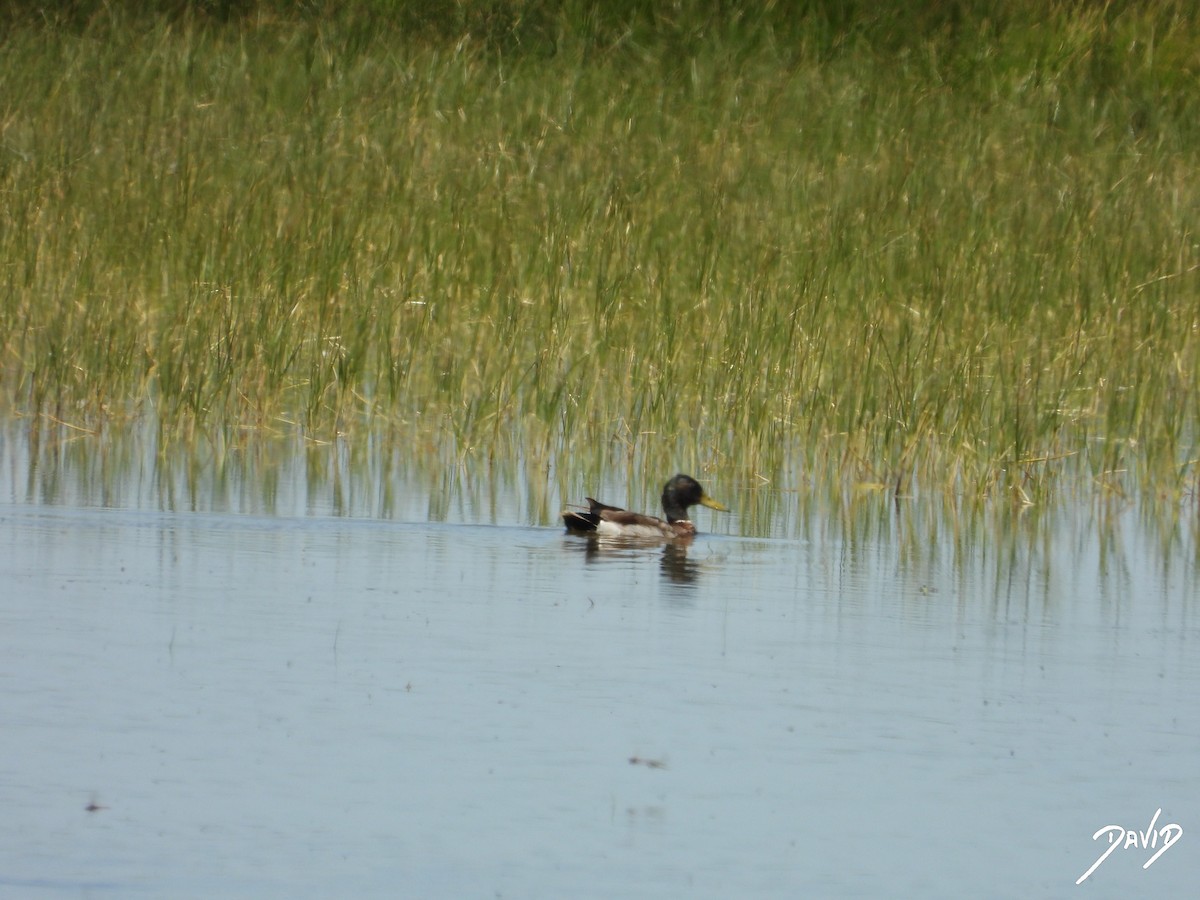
680 492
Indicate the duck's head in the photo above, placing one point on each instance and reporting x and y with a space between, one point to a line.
682 492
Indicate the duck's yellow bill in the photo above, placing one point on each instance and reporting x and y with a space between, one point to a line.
708 501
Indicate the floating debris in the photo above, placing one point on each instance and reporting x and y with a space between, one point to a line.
648 763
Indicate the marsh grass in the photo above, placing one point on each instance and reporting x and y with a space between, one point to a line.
866 251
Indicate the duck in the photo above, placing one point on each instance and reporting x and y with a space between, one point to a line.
679 494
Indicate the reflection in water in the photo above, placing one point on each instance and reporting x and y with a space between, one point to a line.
675 564
1029 554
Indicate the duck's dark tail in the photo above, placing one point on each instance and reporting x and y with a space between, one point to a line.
581 522
585 522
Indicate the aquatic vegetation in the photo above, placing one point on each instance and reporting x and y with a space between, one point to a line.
851 250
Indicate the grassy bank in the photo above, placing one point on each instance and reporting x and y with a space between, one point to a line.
949 253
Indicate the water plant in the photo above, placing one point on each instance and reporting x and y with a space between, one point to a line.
941 251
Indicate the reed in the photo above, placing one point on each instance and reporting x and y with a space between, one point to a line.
860 247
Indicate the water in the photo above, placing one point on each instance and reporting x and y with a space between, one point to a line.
306 696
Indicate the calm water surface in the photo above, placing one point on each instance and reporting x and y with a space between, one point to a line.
443 700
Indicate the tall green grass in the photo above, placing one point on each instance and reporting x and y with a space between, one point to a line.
841 246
